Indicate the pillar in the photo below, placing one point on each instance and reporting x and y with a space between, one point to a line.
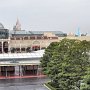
15 45
39 70
9 47
20 45
17 72
31 47
6 71
20 71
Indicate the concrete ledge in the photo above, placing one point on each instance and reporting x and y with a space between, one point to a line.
31 76
47 87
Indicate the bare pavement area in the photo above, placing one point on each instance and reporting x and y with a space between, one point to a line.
23 84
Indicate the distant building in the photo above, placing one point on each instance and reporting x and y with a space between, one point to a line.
4 33
18 40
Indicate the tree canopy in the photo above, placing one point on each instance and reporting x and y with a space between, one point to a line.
66 63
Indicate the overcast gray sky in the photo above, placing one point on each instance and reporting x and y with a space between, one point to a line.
63 15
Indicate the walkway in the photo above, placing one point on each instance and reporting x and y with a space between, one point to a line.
23 84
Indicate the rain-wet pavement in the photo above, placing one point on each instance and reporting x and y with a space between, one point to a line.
23 84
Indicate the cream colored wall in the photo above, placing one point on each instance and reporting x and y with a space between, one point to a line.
49 34
79 38
30 43
42 42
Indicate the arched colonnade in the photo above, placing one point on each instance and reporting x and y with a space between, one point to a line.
6 47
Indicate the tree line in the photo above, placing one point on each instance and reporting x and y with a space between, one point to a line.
67 64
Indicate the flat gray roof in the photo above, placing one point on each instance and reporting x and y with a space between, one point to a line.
22 56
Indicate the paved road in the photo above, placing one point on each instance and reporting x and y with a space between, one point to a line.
23 84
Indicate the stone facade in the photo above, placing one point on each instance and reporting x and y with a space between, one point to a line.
27 45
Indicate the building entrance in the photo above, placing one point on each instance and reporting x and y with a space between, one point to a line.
7 71
35 48
30 70
23 70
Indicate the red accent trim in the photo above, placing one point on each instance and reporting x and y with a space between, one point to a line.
13 77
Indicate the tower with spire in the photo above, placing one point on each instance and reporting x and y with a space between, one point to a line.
17 26
78 32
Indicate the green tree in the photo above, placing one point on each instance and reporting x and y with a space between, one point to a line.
85 84
48 54
66 62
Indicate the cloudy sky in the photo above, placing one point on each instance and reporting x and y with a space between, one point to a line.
63 15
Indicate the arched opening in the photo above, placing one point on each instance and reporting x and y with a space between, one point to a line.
13 50
18 50
36 46
0 47
28 49
5 47
23 49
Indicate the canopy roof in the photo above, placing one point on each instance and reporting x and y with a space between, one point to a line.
22 56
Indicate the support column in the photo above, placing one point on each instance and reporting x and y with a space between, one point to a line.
20 71
6 70
31 48
39 70
20 45
15 45
33 70
17 70
9 47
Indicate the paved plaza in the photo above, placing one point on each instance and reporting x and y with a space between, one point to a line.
23 84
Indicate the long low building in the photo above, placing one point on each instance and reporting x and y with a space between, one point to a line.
20 63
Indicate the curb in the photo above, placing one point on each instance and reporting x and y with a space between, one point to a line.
16 77
47 87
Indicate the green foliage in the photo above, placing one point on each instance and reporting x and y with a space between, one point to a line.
66 63
85 85
48 54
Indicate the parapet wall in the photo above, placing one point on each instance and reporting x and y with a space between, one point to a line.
79 38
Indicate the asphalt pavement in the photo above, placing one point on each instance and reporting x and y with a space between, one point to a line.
23 84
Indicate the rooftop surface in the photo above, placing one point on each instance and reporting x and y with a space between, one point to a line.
34 54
